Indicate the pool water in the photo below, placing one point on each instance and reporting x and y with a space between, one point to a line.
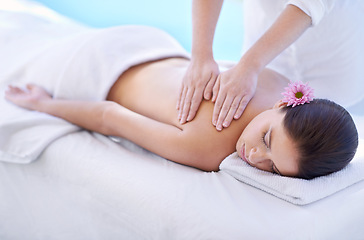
171 16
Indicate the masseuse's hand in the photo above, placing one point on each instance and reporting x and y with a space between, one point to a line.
27 98
231 93
197 84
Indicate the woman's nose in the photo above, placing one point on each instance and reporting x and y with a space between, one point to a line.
257 155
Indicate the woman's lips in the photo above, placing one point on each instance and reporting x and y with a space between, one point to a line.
243 154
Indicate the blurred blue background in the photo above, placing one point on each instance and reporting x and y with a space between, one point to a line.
171 16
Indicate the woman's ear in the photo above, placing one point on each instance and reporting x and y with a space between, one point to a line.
279 104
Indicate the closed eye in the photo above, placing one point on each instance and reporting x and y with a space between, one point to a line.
263 139
275 169
266 135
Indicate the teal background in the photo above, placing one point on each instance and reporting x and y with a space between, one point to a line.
171 16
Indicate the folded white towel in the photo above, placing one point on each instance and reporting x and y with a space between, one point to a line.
82 65
294 190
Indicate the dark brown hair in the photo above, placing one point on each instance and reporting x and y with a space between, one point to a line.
325 136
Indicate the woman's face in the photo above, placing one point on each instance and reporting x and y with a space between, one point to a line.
264 144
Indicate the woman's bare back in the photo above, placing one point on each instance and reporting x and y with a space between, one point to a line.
151 89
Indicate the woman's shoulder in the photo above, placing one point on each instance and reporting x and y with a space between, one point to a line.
269 88
203 133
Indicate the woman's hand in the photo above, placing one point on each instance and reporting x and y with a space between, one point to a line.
28 98
197 84
232 92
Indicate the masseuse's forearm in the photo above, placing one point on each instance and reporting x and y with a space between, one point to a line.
205 14
288 27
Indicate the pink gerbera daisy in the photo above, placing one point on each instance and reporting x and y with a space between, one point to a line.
297 93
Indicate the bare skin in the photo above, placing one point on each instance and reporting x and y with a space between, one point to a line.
157 101
145 113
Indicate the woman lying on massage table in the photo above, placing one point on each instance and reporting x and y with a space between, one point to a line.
304 141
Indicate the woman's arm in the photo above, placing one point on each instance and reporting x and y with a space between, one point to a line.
110 118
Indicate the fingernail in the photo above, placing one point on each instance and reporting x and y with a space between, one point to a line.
219 128
214 122
225 124
183 119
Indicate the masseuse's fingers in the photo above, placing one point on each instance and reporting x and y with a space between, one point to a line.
215 90
181 101
180 97
218 98
200 93
221 109
197 83
242 105
186 105
230 114
228 107
195 104
233 90
209 87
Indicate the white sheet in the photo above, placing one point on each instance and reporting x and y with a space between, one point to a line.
84 66
84 186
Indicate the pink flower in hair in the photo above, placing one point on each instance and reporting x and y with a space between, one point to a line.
297 93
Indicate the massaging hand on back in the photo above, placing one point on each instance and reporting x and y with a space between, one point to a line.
201 80
231 91
197 84
234 88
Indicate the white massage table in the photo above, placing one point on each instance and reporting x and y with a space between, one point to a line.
87 186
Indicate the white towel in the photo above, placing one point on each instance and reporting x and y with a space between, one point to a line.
82 65
294 190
